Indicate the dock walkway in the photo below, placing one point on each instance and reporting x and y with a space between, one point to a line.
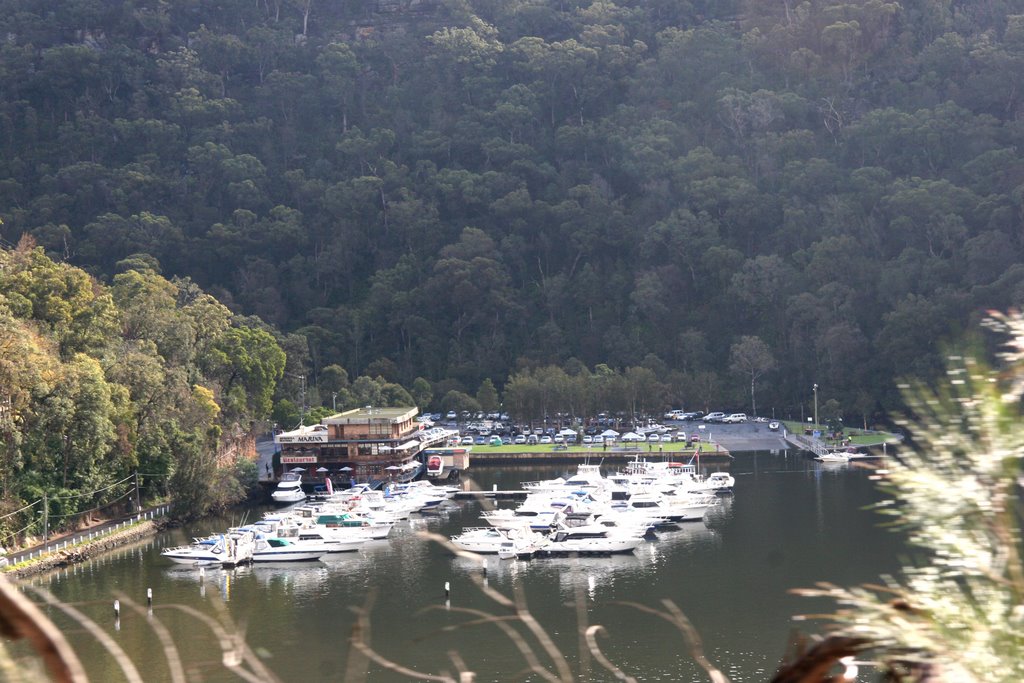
612 455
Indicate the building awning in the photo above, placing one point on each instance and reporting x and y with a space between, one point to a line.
403 446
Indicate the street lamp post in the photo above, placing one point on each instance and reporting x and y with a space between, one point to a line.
815 405
334 401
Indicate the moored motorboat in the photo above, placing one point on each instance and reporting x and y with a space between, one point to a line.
200 551
490 540
289 489
287 550
593 539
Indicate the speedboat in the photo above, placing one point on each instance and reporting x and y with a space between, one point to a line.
289 489
200 551
835 456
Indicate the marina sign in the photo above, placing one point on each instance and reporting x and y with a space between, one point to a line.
316 437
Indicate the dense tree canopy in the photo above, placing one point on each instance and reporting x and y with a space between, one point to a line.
457 191
98 382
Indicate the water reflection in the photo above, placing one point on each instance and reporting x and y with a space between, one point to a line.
791 524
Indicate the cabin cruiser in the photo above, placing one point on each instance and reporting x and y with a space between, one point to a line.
587 478
539 512
289 489
286 550
591 539
675 508
490 540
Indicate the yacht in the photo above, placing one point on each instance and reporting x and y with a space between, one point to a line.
289 489
490 540
592 539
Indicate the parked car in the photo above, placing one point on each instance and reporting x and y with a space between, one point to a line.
695 415
480 441
545 439
695 438
466 441
735 418
532 439
451 415
520 439
714 417
773 425
495 441
653 437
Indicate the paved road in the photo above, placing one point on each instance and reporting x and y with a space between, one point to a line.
736 438
265 448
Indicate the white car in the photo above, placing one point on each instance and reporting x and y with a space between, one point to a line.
773 425
545 439
467 441
714 417
735 418
520 439
653 437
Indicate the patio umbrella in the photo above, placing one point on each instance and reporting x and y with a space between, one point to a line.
298 469
346 468
321 469
393 468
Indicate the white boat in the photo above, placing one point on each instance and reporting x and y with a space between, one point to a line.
286 550
835 456
675 508
587 478
201 551
538 511
490 540
592 539
720 482
289 489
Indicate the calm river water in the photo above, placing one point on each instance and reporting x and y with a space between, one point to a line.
791 523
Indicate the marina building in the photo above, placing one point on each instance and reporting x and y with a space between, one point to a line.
362 444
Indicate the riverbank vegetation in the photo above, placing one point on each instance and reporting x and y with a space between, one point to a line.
443 193
98 382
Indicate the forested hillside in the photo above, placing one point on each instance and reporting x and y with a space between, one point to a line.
461 190
97 383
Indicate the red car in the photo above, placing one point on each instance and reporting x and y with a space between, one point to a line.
695 438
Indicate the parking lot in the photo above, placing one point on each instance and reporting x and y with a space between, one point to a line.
745 436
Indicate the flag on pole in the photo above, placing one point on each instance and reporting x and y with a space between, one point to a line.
330 485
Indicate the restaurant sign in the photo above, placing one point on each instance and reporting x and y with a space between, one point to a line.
297 459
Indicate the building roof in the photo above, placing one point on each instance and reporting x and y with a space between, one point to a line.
371 414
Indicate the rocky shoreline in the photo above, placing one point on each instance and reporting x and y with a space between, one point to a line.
84 550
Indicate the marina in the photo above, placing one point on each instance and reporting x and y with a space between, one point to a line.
790 523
